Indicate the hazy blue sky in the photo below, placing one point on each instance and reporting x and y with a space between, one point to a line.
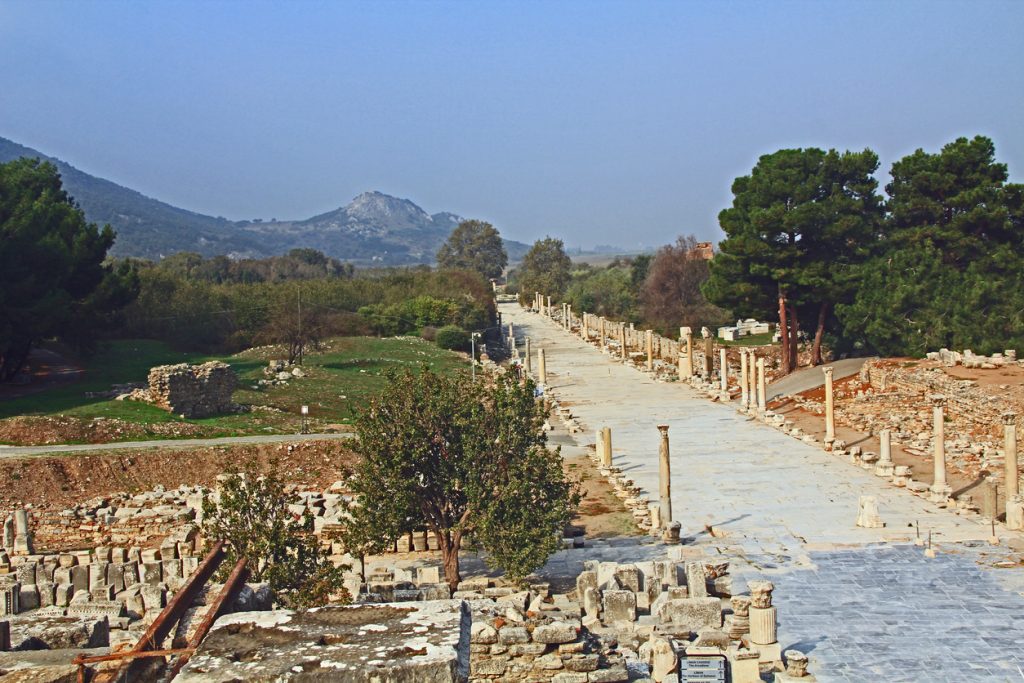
599 122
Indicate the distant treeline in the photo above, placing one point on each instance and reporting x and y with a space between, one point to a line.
217 304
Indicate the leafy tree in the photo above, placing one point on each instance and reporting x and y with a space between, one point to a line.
947 271
292 324
253 520
545 269
800 225
604 291
474 245
53 281
671 294
469 462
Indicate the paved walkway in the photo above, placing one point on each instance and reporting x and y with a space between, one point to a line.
785 510
56 449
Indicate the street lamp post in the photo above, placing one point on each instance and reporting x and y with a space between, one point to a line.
472 354
305 412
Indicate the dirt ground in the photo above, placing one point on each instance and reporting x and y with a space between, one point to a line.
601 514
62 481
1005 385
64 429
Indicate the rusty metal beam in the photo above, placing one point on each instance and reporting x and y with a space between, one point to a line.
167 618
231 587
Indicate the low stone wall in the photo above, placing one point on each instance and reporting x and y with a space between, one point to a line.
193 390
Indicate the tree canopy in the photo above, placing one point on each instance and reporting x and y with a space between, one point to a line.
545 269
947 270
474 245
466 460
53 281
800 225
670 293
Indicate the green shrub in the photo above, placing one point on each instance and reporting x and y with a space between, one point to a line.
452 337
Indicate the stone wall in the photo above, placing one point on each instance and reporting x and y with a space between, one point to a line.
193 390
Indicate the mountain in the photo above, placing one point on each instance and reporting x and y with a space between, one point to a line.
373 228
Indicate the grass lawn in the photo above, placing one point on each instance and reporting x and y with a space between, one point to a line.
750 340
340 377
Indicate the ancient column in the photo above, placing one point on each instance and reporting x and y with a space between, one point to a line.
511 331
885 466
744 395
22 536
762 389
763 623
723 369
666 476
830 414
649 342
709 350
542 368
1010 450
688 334
526 359
1014 501
568 317
606 436
940 489
548 309
602 332
752 364
622 341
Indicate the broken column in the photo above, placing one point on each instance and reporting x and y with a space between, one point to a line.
602 332
830 407
884 467
723 369
622 341
649 343
738 624
542 368
1014 501
688 364
526 360
666 477
762 389
709 349
8 534
22 535
940 489
867 516
763 625
606 438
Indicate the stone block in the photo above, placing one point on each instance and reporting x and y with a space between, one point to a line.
28 597
694 613
556 632
570 677
494 666
151 573
696 579
513 634
628 577
63 592
618 606
616 673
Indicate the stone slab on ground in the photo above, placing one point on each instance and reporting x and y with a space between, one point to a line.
416 642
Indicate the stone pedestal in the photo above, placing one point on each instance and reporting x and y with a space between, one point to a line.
22 535
1015 513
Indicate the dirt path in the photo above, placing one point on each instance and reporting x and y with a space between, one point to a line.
35 451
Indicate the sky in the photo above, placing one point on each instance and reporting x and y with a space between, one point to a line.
619 123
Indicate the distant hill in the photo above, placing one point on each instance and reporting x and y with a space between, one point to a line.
373 228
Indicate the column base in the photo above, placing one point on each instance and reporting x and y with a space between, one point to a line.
940 494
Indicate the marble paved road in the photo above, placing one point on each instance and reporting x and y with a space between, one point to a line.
781 509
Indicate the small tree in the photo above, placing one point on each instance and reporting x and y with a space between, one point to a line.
474 245
545 269
253 520
469 462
